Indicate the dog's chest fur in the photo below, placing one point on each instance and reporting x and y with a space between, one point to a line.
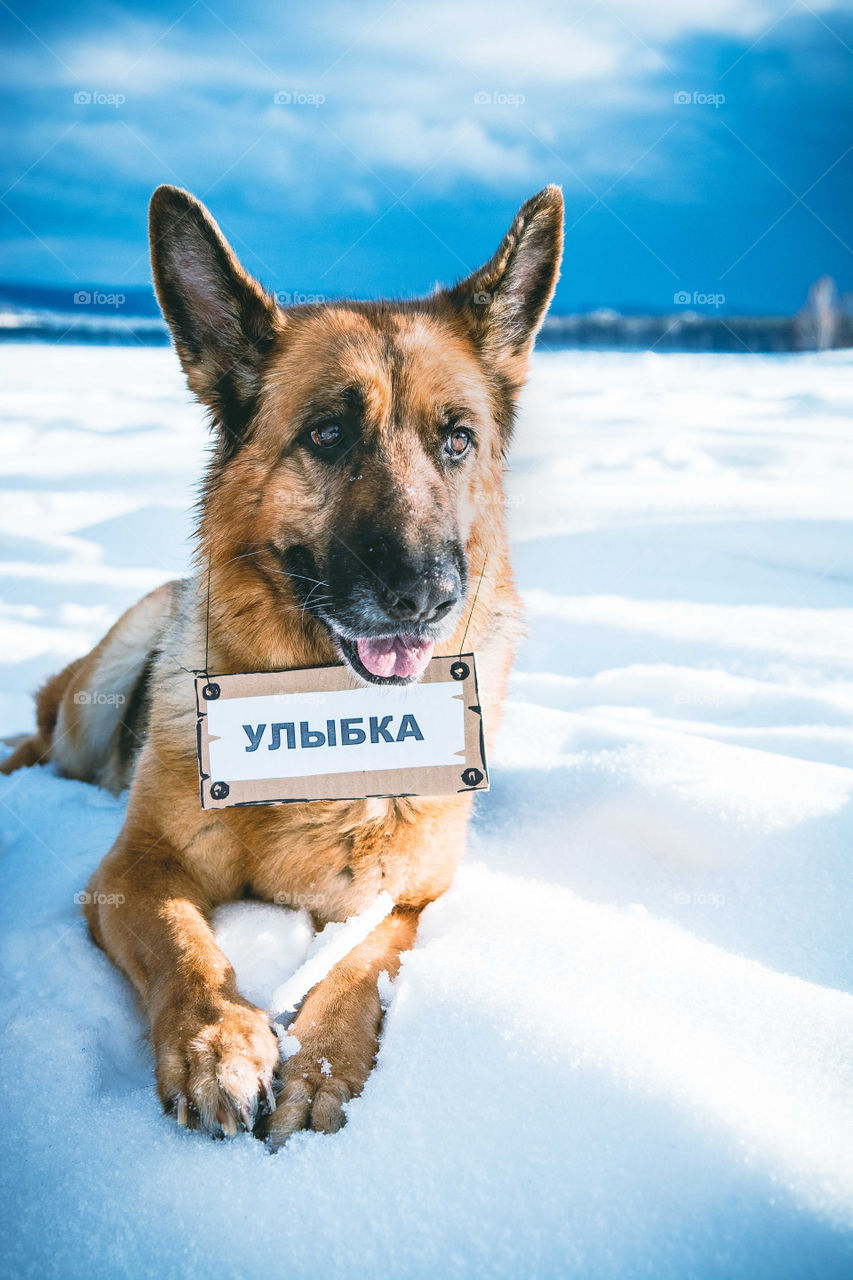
331 858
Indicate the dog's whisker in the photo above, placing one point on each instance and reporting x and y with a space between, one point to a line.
247 555
315 603
285 573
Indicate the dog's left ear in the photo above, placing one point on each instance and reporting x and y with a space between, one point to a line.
504 303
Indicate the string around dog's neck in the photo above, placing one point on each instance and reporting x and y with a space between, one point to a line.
473 604
207 622
461 646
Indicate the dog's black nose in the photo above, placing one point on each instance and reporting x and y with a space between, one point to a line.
421 598
381 585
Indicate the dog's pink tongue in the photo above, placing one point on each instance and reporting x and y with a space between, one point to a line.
402 656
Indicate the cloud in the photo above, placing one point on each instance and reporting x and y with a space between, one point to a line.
437 150
672 19
508 49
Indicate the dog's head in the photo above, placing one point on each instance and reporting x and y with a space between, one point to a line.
359 445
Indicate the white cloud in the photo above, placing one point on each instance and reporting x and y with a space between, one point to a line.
406 141
496 42
671 19
551 42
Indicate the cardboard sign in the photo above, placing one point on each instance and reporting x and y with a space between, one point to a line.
278 737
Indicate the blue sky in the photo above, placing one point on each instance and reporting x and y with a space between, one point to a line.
378 147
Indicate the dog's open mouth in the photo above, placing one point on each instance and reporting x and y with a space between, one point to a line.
388 659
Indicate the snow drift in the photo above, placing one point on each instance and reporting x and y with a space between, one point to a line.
624 1042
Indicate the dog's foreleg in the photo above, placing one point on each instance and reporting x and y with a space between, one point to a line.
215 1053
337 1029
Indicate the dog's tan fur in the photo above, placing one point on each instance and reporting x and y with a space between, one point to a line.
173 863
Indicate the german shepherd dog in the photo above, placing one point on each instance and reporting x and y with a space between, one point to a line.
352 512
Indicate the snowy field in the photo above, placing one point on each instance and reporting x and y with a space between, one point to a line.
623 1046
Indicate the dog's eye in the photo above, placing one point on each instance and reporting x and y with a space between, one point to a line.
328 436
458 442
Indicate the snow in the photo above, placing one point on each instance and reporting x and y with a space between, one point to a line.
623 1045
331 945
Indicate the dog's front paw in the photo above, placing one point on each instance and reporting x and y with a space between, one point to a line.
316 1085
215 1070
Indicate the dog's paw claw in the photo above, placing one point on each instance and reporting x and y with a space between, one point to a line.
213 1074
229 1124
247 1117
267 1105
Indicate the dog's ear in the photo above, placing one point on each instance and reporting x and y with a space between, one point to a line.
222 321
504 303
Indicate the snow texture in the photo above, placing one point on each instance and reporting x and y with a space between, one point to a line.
623 1045
331 945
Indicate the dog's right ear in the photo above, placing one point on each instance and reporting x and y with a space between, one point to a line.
222 321
505 301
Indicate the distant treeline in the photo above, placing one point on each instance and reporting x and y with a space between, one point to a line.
826 321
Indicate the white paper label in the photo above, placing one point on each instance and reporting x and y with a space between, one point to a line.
303 735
